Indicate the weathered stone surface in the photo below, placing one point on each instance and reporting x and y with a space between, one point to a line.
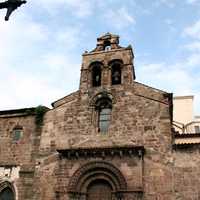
138 142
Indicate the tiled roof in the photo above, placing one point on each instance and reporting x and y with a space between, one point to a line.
187 138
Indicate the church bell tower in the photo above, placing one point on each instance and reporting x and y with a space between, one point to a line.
108 65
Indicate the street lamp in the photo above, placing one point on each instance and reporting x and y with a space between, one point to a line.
11 5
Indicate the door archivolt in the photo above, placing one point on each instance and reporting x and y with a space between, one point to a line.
97 180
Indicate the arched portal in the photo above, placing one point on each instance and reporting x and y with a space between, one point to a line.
99 190
7 194
6 191
97 180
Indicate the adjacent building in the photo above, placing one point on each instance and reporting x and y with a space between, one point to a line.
183 115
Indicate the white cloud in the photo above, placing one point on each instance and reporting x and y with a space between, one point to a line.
23 88
193 30
78 8
169 21
166 77
119 18
69 37
193 46
170 24
192 1
29 68
193 60
17 36
81 8
169 3
171 78
55 62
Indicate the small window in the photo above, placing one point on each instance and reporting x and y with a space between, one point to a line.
96 75
104 108
107 46
116 73
197 129
104 119
17 133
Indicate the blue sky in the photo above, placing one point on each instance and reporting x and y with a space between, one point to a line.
41 46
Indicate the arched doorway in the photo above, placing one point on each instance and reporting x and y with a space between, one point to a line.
97 180
99 190
7 194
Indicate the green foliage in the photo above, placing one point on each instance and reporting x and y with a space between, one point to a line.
29 111
39 112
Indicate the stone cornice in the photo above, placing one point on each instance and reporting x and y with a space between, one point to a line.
102 152
187 135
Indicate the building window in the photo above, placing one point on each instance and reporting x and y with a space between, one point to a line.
107 45
96 75
17 133
116 73
104 108
197 129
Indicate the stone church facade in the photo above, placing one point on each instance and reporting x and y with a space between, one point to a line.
110 140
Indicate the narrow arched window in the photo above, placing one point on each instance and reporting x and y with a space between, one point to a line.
96 75
104 118
107 45
116 73
104 108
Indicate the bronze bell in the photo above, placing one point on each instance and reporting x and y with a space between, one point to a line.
116 76
97 78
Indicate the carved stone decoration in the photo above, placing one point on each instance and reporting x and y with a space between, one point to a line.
75 153
93 171
100 95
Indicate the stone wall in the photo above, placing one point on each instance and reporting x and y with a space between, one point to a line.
135 116
140 117
186 172
17 157
16 152
131 168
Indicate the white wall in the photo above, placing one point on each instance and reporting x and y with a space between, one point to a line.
183 109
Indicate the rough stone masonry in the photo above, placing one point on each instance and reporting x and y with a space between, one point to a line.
111 139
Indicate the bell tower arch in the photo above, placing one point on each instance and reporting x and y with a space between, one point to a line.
108 65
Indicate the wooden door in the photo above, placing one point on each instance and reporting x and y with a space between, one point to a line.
7 194
99 190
